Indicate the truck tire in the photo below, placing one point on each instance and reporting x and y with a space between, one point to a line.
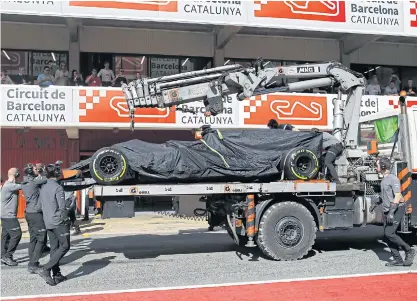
300 164
287 231
108 166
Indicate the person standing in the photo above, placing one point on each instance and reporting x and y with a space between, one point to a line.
106 75
71 201
55 216
333 148
36 226
11 231
40 174
394 209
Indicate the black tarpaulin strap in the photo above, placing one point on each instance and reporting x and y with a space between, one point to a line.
214 151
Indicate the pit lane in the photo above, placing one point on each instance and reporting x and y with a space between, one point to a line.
194 257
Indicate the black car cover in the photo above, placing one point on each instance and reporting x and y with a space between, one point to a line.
238 155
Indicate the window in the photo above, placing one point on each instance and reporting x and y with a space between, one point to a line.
32 62
131 65
383 130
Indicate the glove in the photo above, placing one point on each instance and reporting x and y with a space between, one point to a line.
390 216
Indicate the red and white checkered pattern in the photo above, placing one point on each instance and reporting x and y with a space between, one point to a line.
413 13
258 4
251 105
87 99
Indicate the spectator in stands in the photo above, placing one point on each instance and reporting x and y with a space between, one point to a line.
397 81
61 75
138 76
21 78
373 88
93 80
76 79
391 89
120 79
5 79
106 75
410 89
45 79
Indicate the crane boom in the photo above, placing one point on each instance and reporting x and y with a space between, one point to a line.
212 85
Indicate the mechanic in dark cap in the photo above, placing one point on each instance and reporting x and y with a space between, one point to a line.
273 124
394 209
55 216
31 185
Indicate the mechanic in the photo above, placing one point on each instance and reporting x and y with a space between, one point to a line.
11 232
71 200
273 124
333 148
55 216
40 174
394 209
37 232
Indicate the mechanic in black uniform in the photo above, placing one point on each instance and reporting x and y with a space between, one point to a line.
273 124
55 216
40 174
333 148
31 189
394 209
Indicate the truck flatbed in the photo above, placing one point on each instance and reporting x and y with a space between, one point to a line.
296 187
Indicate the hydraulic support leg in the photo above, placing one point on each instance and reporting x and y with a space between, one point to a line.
250 220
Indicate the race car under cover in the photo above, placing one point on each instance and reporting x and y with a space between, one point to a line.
217 156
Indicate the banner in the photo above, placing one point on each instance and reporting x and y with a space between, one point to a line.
363 17
106 108
33 106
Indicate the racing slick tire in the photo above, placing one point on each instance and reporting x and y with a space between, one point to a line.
300 164
287 231
108 166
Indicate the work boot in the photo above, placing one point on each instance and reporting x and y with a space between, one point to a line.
58 278
409 257
9 261
46 275
33 267
395 263
76 230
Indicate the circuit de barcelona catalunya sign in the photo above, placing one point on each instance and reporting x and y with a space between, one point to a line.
106 108
367 17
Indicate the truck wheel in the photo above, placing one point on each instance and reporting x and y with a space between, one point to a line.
287 231
109 166
300 164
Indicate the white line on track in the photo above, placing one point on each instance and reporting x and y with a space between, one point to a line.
151 289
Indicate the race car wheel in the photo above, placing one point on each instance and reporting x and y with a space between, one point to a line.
109 166
300 164
287 231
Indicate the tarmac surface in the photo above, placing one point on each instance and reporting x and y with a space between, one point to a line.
103 261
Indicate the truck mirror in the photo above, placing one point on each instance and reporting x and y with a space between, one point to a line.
372 147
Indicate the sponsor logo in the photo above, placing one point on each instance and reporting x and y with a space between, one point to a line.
163 6
102 105
35 105
396 104
216 8
381 13
301 110
329 11
308 69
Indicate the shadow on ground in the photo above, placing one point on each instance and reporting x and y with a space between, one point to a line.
145 246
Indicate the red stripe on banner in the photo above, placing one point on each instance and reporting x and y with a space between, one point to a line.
369 288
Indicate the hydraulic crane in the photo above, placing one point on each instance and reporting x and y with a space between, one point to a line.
212 85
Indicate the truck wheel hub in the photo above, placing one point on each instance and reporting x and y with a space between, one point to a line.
288 232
